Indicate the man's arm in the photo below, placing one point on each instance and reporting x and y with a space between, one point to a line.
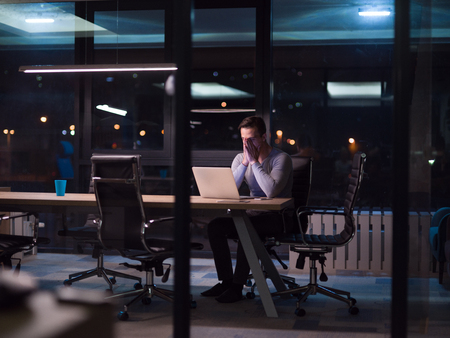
238 169
273 184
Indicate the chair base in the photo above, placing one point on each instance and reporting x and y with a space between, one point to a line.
100 271
313 288
289 281
145 295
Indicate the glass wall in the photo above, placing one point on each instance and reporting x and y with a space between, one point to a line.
137 118
37 110
223 79
139 96
429 170
332 95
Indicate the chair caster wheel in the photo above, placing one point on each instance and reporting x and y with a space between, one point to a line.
249 283
353 310
113 280
300 312
146 301
250 295
138 286
193 304
353 301
67 282
122 315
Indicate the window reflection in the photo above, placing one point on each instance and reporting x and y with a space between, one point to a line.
130 28
223 86
332 84
128 110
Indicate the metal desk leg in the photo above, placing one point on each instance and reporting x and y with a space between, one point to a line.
253 248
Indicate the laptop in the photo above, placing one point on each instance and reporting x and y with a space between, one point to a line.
218 183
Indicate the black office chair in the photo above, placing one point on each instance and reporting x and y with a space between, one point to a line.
301 187
12 244
125 227
315 246
88 235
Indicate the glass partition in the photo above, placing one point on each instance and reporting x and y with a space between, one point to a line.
37 110
128 110
223 81
333 95
429 170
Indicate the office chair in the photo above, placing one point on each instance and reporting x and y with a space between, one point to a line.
438 235
88 234
301 187
12 244
125 227
315 246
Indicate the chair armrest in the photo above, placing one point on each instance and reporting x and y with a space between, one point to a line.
311 210
162 219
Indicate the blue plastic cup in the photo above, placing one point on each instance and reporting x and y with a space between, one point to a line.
163 173
60 186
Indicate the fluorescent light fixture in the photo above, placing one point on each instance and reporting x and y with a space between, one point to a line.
112 110
222 111
145 67
354 90
39 20
214 90
374 12
27 18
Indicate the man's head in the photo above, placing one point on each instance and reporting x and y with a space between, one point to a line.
253 128
254 122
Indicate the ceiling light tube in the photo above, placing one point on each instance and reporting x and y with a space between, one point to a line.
215 111
39 20
112 110
146 67
369 12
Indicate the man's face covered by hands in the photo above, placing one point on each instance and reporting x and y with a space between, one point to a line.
252 143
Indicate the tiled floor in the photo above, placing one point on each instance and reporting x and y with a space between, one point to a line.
324 317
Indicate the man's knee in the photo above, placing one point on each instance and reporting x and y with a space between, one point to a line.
214 227
220 226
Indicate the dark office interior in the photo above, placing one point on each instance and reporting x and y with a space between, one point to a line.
321 76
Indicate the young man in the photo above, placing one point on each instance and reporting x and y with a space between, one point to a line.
268 173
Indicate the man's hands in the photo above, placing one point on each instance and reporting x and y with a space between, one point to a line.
251 152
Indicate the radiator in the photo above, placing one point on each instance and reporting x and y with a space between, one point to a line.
22 226
370 251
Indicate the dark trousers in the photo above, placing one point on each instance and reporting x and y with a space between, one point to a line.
221 229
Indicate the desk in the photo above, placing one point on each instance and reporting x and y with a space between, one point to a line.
253 247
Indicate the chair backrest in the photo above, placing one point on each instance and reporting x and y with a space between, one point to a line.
302 176
354 184
117 189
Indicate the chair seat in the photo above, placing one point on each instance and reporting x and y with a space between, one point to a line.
12 242
159 246
297 239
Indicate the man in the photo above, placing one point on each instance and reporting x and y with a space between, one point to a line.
268 173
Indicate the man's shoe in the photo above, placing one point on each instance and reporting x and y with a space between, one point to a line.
215 291
230 296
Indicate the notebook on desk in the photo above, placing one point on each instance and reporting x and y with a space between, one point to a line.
218 183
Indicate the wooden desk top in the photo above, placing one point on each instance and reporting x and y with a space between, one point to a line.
35 200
